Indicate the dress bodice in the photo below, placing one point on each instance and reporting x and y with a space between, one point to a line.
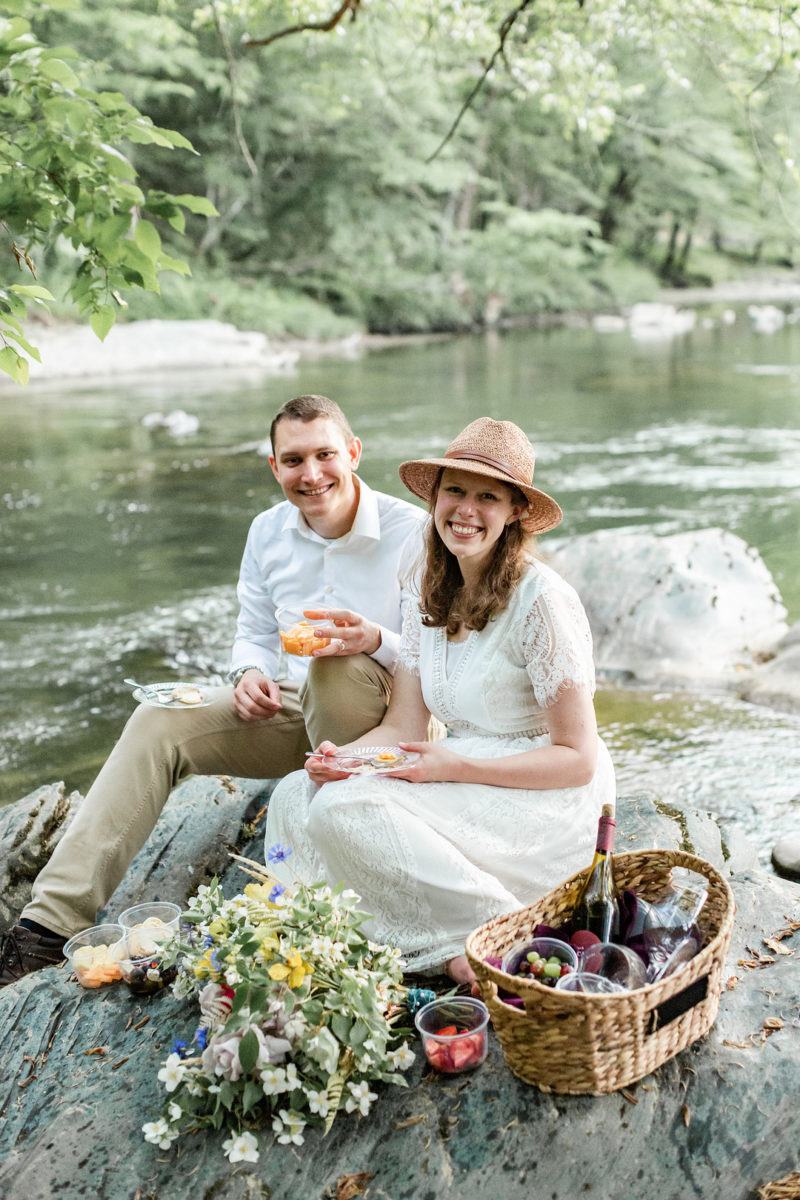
509 673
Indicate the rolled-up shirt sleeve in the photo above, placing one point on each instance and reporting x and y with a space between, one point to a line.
256 641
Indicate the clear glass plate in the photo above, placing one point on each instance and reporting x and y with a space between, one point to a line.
372 760
164 698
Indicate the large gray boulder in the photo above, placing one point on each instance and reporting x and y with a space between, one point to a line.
718 1121
692 607
30 830
776 682
73 351
201 823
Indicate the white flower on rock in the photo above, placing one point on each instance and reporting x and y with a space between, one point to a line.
288 1127
241 1148
159 1133
174 1111
360 1097
172 1072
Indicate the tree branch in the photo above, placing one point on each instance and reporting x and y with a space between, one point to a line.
237 116
349 6
505 30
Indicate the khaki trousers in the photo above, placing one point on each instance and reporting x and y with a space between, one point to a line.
340 700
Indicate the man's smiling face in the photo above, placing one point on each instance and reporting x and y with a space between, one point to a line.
314 464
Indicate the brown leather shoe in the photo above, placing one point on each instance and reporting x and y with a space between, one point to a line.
23 951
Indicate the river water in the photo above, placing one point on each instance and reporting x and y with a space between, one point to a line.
120 544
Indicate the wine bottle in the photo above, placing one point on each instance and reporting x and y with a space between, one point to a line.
596 906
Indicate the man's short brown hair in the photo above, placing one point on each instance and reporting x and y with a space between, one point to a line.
310 408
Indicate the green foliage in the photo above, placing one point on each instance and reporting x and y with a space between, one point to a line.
62 176
600 145
244 302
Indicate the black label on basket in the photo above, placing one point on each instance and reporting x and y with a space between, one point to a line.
678 1004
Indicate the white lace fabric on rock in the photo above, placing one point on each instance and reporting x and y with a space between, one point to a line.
432 861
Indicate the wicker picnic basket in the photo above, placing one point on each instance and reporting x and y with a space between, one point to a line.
576 1043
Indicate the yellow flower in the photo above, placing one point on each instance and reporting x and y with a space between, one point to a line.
269 944
217 927
204 966
294 970
259 892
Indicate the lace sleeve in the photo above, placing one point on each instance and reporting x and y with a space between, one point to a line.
408 657
557 645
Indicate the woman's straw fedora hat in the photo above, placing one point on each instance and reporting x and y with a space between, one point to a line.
498 449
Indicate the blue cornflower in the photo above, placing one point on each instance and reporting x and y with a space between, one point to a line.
277 891
216 964
208 940
201 1037
179 1048
278 853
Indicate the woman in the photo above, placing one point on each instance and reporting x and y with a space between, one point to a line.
499 649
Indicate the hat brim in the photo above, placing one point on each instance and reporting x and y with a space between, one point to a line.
420 475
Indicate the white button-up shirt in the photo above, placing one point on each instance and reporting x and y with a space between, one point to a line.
286 562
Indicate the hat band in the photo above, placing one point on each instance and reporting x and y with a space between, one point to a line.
498 464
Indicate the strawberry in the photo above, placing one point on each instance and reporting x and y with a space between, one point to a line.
463 1054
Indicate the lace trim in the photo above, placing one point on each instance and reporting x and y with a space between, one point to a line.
442 682
557 645
408 656
468 729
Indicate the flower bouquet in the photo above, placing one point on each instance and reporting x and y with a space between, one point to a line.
298 1011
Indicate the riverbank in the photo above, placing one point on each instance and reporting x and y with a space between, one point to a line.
71 351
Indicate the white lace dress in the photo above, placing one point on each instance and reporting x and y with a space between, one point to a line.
432 861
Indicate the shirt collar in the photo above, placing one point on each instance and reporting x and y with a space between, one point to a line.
366 525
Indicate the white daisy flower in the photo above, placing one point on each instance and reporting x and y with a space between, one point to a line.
402 1057
318 1102
172 1072
241 1148
159 1133
360 1097
288 1128
295 1027
273 1081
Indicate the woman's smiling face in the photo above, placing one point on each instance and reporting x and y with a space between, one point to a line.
470 514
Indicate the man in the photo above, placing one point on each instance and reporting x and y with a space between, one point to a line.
332 545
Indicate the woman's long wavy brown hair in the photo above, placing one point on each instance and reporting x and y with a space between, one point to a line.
444 599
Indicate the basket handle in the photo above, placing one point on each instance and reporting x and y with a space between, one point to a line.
677 1005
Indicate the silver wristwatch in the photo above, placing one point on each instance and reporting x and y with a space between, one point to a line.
236 675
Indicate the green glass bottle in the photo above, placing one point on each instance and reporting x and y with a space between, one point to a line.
596 908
